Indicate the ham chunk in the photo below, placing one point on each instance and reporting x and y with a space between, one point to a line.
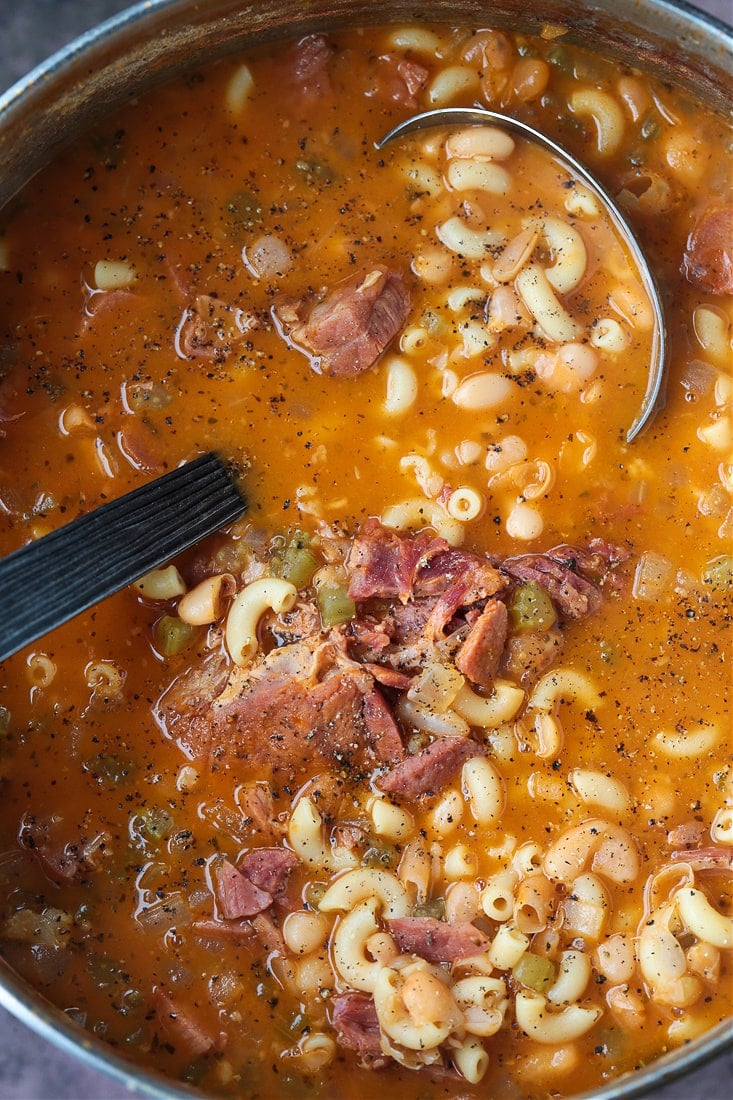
571 577
355 1023
436 940
400 80
350 329
252 886
479 656
307 69
65 854
268 868
713 859
383 563
282 725
278 720
237 895
708 257
428 772
475 574
211 329
183 1026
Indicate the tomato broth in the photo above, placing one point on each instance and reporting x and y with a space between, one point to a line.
416 778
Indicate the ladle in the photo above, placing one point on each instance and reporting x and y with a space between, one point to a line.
481 116
49 581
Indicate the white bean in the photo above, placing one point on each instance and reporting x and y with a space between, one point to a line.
239 89
480 142
450 83
524 522
484 390
477 175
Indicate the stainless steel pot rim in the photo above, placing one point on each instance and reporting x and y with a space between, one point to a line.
53 1025
108 30
19 998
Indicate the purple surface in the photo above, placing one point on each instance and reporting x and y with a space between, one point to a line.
31 1068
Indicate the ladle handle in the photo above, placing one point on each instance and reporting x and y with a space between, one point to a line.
48 582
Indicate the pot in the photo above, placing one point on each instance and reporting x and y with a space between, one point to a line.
153 41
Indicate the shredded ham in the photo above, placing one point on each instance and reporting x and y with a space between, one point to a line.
436 940
348 330
183 1025
708 257
431 770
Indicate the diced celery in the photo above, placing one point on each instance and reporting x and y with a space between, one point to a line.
172 635
560 58
195 1071
317 172
142 396
335 605
157 823
314 891
380 854
435 908
132 1002
298 562
244 210
650 128
531 608
718 572
535 972
104 970
108 767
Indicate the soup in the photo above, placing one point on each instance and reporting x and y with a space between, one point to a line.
415 778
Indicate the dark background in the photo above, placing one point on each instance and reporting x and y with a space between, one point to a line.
30 1067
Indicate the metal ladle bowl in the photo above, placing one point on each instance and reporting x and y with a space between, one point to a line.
480 116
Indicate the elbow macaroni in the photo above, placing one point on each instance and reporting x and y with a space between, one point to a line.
248 607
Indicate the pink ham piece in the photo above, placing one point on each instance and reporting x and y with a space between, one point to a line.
475 574
479 656
436 940
350 329
400 80
415 78
268 868
708 257
183 1026
428 772
283 724
355 1023
236 895
250 888
570 576
711 859
307 69
687 835
281 720
209 929
384 564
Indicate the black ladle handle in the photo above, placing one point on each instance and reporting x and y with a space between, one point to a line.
48 582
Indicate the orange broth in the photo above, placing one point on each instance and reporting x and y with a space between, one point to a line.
142 290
